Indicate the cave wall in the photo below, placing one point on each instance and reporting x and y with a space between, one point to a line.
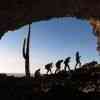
17 13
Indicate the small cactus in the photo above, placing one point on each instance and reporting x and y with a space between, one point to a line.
26 54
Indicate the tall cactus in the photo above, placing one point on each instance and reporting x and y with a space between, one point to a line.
25 52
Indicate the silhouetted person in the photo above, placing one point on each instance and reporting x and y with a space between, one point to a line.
77 59
48 67
37 73
66 62
58 65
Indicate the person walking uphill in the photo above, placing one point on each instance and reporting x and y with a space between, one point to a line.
66 62
77 57
58 65
48 67
37 73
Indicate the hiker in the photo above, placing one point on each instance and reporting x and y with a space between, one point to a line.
37 73
77 59
66 62
48 67
58 65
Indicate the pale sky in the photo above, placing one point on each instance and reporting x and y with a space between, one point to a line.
50 41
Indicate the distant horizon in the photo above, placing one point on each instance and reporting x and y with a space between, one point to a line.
50 41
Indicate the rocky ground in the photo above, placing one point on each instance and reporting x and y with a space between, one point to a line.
83 82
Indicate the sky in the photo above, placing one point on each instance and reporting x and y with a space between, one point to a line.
51 40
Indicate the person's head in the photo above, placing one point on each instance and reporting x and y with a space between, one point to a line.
38 69
69 58
77 53
61 60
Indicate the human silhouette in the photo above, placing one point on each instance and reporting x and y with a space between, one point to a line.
48 67
58 65
66 62
37 73
77 57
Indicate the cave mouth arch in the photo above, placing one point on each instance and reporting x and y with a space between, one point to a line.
47 43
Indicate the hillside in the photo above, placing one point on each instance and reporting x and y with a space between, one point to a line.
82 82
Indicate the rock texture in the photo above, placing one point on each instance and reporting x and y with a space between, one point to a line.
17 13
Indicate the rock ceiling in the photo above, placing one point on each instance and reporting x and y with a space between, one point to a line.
17 13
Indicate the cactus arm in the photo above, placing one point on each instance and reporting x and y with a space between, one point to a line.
24 54
28 42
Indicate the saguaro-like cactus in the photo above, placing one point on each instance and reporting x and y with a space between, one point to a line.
25 52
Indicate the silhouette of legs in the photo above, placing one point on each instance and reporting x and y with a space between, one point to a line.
49 71
78 63
57 70
66 67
